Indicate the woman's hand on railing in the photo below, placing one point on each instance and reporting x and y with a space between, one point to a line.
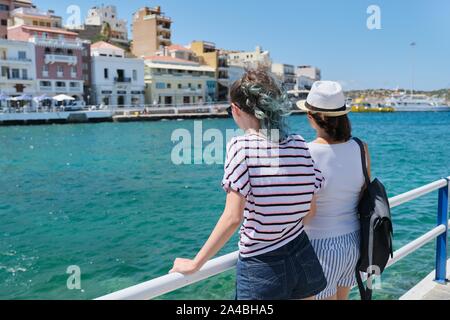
185 266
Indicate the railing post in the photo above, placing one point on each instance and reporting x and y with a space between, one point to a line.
442 240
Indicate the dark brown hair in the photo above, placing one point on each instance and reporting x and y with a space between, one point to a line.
337 128
258 93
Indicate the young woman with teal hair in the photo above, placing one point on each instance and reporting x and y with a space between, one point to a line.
270 180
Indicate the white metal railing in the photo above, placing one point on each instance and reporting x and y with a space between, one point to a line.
171 282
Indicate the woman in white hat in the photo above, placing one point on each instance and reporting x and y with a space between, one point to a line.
333 226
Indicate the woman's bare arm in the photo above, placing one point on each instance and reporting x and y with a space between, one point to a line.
312 211
230 220
369 168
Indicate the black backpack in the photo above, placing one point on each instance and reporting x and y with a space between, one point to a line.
376 230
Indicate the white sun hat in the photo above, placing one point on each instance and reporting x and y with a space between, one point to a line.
326 97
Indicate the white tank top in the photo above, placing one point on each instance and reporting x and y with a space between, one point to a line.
337 201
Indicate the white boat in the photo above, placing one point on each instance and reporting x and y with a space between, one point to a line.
416 103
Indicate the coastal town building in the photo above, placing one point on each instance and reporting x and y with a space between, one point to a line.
116 80
103 24
211 56
251 59
17 60
235 73
173 79
285 73
151 32
58 52
306 76
107 16
87 72
6 6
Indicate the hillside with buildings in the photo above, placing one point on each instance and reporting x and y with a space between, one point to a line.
384 93
99 63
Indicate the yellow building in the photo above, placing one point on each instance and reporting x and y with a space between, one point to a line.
175 82
212 57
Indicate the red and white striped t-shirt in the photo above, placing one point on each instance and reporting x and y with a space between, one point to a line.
278 181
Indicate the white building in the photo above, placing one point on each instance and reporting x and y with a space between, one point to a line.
18 68
306 76
250 59
116 80
235 73
285 74
97 16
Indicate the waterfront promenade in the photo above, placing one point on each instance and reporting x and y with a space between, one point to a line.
190 112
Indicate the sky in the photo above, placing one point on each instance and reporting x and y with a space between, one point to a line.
330 34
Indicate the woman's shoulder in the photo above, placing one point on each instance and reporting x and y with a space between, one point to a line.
295 138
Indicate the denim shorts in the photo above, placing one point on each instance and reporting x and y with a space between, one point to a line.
292 272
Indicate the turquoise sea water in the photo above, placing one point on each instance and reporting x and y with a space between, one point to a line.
107 198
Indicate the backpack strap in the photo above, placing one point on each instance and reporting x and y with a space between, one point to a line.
363 159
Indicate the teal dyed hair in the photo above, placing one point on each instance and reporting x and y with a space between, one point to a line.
259 94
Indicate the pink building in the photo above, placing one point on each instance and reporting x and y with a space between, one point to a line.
59 53
6 6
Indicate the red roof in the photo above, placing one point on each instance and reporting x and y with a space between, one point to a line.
52 30
170 59
177 47
104 45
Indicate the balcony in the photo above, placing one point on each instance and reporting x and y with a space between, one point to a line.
57 43
15 79
122 79
164 28
75 89
53 58
46 88
15 61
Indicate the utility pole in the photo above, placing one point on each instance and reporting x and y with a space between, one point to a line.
413 68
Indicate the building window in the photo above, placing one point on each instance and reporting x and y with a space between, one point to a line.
4 22
199 86
4 7
22 55
35 23
160 85
24 74
135 75
45 84
5 72
60 84
15 73
169 86
106 73
179 86
74 85
190 85
186 100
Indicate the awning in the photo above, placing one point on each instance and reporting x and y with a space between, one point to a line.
63 97
23 97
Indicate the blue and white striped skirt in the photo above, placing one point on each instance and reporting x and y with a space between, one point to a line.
338 257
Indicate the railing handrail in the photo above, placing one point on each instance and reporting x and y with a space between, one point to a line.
171 282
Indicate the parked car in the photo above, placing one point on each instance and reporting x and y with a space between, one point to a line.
74 106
